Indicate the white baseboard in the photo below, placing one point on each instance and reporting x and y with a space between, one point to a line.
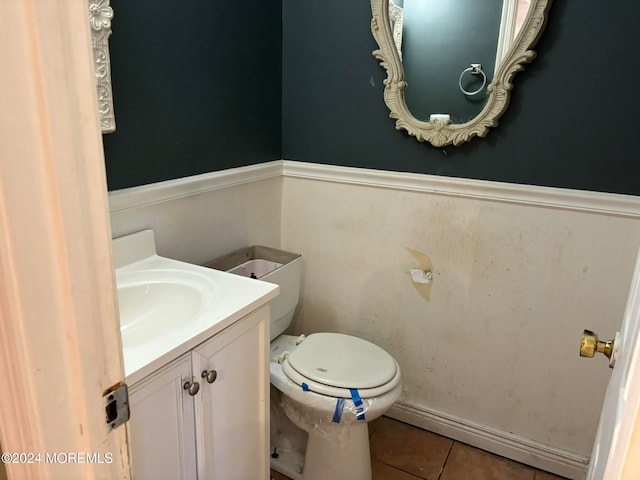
499 442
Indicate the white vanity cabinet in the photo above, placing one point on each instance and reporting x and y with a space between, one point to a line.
220 431
162 434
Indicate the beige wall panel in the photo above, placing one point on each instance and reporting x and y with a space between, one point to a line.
514 286
203 226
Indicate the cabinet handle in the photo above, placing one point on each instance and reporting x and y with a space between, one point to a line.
192 387
210 375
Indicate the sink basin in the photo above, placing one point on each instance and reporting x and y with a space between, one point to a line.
168 307
153 302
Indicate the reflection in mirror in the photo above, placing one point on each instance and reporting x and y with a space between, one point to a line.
450 64
441 40
100 16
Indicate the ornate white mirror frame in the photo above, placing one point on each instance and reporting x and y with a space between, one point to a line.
100 16
440 132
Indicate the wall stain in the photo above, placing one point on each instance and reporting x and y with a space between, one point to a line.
424 263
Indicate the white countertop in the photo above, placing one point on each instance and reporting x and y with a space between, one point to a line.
234 297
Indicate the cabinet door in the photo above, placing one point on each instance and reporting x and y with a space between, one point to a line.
232 413
161 429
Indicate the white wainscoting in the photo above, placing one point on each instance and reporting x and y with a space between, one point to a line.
162 192
519 271
492 358
203 217
532 195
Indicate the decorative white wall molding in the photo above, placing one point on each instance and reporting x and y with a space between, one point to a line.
536 196
491 439
183 187
545 197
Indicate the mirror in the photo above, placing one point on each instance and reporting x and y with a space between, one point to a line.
450 64
100 16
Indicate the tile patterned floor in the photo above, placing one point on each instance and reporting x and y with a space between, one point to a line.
402 452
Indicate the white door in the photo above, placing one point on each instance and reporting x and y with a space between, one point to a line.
59 337
617 436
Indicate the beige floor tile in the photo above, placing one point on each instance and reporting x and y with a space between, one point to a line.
467 462
373 425
410 449
382 471
403 452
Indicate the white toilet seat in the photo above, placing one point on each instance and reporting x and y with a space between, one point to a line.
336 365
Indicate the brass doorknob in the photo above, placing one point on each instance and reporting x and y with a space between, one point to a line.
590 344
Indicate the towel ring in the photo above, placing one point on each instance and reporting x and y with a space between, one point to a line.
474 69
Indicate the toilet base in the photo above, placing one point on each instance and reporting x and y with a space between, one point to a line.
306 453
304 426
326 459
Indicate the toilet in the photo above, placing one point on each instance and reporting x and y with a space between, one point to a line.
325 387
329 386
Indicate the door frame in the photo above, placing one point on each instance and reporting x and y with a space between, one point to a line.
59 338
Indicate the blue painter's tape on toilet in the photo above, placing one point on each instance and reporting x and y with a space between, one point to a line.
357 401
337 413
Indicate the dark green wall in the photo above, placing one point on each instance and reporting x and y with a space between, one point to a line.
572 121
198 88
196 85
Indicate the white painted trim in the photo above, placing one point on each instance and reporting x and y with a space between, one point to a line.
532 195
183 187
500 442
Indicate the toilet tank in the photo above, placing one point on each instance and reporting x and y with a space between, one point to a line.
273 266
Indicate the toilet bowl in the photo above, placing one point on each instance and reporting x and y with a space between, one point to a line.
330 386
325 387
